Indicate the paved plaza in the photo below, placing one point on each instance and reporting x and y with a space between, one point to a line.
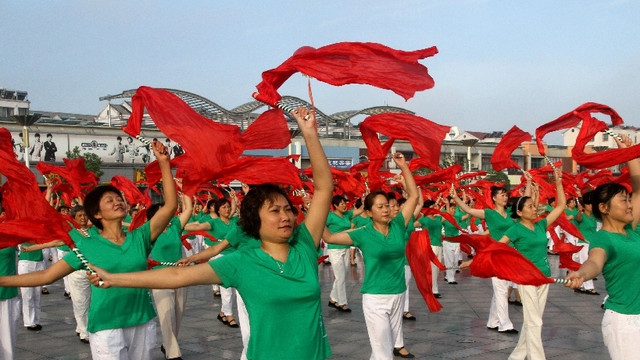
571 327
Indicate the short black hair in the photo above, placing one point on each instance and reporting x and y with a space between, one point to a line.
252 203
92 202
337 199
153 209
49 135
217 204
603 195
518 205
368 201
76 209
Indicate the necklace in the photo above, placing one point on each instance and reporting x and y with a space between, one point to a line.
280 265
84 232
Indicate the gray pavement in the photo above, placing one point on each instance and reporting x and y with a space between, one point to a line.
571 327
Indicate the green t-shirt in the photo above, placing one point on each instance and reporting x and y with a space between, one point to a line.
532 244
76 236
8 267
116 308
587 227
449 228
360 221
459 215
337 223
282 299
30 255
383 257
239 239
219 230
572 213
497 223
434 227
168 246
620 272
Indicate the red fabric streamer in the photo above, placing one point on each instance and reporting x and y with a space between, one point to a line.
603 159
74 173
223 144
29 218
138 220
130 191
496 259
447 174
565 250
352 63
501 157
424 135
572 119
420 255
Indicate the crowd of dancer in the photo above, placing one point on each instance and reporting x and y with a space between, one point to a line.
261 252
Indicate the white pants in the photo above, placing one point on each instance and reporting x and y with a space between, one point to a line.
215 287
131 343
583 255
383 316
534 299
65 279
9 310
405 295
30 295
435 271
227 297
340 265
170 306
621 335
499 310
245 329
80 289
197 243
451 252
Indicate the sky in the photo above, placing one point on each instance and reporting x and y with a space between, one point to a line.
500 63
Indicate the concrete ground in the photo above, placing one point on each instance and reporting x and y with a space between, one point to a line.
571 327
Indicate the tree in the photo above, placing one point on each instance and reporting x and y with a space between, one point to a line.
499 176
92 161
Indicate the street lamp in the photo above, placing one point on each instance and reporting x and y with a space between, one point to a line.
25 121
469 143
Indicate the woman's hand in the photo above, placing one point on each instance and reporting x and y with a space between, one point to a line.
465 264
24 248
187 260
160 151
101 278
399 159
575 280
306 119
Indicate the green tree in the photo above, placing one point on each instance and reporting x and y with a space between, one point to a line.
92 161
499 176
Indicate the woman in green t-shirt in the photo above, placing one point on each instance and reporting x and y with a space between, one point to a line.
119 321
383 243
615 252
530 239
339 220
278 280
498 221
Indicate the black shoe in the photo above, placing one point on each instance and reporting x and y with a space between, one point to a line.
164 352
233 324
437 296
34 327
510 331
408 316
343 308
84 341
408 355
453 283
492 328
333 304
45 291
591 292
67 295
176 358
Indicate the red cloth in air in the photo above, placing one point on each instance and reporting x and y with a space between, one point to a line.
352 63
501 157
420 256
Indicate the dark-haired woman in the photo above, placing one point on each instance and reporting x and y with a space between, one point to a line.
498 221
120 322
339 220
587 224
383 243
530 239
218 226
278 280
615 252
